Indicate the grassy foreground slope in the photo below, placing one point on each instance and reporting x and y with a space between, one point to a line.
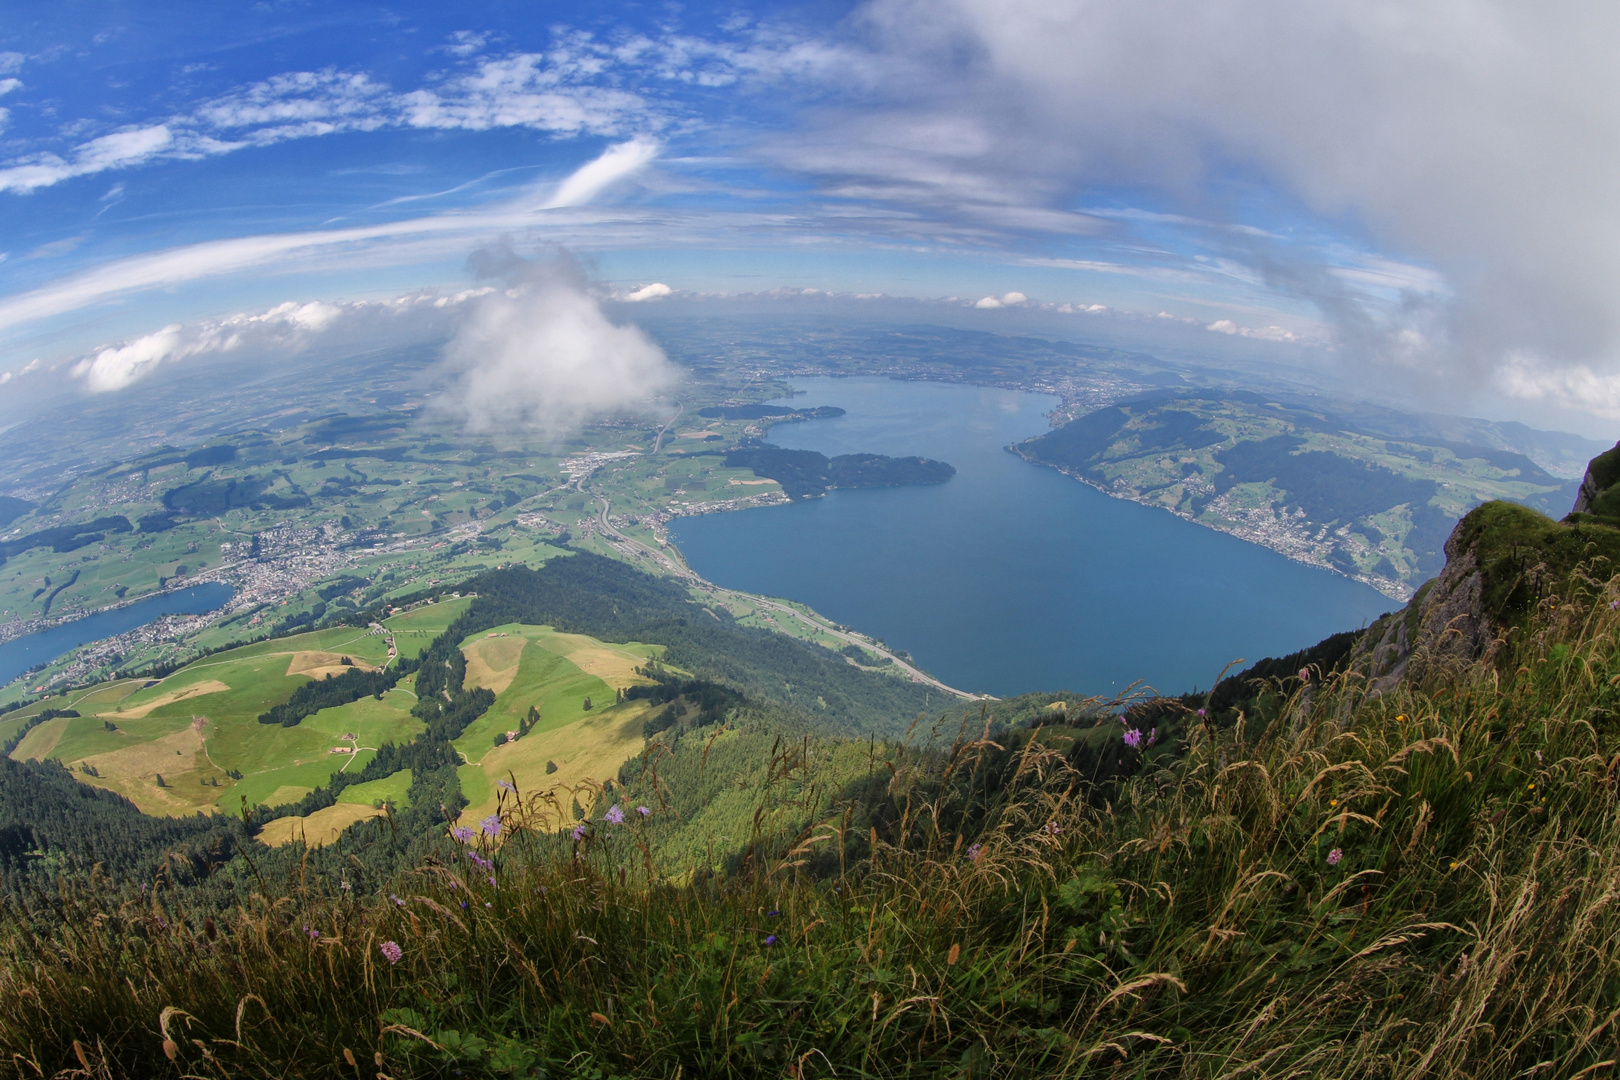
1416 882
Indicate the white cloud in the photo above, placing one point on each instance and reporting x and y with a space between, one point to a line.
581 85
527 90
656 291
1577 388
117 366
1476 141
115 151
1012 299
988 303
541 355
1263 333
466 42
177 266
570 91
591 179
296 105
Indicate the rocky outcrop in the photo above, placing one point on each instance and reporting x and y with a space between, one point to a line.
1502 560
1601 474
1446 624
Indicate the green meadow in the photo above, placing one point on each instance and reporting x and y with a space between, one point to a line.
173 745
415 629
192 741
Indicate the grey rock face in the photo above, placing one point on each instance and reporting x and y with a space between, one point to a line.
1587 495
1444 625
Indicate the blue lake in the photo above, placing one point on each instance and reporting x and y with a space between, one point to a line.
1012 577
32 650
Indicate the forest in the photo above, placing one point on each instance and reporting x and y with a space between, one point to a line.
803 473
335 690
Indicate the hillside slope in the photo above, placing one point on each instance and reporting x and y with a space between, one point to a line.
1339 870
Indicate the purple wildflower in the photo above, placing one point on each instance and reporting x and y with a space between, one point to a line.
1334 856
773 914
464 905
1304 674
313 934
462 834
579 831
1200 712
1052 828
507 784
391 951
643 811
770 940
482 862
1153 736
397 901
975 852
491 825
492 881
614 815
1133 737
1614 605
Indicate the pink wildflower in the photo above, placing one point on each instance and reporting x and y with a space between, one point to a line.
1334 856
391 951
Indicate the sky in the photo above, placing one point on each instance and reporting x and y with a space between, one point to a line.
1417 194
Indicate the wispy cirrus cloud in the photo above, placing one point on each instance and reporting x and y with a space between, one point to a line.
452 231
581 86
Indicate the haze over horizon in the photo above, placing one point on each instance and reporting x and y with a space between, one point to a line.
1411 200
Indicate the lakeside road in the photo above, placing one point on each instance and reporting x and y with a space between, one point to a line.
760 603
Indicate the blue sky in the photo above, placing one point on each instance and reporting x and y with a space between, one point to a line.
1416 191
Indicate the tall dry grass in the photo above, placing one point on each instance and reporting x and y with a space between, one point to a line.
1424 884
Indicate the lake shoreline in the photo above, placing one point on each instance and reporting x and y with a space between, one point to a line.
24 655
1393 590
1007 578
